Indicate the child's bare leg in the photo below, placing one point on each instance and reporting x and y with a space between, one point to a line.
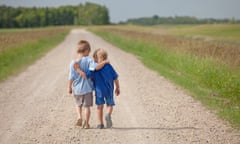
108 116
87 114
110 110
79 111
100 113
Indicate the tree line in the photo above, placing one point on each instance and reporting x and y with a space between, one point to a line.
155 20
82 14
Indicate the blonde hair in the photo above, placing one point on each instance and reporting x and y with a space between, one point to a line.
83 45
95 54
101 53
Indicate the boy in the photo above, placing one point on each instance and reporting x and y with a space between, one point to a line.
82 87
103 83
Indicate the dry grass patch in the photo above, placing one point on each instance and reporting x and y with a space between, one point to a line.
10 39
223 52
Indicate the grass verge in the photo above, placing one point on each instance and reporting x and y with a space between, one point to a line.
14 59
214 84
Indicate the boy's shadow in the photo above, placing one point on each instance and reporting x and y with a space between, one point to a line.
155 128
151 128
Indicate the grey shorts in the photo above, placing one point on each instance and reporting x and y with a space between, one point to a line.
85 100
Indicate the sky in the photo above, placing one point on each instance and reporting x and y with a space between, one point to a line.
121 10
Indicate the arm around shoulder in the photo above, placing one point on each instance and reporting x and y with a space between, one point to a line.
78 69
101 64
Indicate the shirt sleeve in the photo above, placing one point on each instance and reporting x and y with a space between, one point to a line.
114 73
92 65
71 72
89 73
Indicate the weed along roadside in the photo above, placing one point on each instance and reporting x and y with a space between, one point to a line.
208 75
19 49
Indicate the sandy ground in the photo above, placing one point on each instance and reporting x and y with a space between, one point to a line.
36 108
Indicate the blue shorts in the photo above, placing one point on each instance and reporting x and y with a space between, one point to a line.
109 100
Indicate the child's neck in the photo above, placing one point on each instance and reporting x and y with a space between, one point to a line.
79 56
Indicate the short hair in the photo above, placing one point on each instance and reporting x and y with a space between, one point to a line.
101 53
95 53
83 45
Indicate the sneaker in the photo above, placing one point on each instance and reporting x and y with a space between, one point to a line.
108 120
79 122
100 126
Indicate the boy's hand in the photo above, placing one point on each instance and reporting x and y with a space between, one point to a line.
117 91
70 90
83 74
106 61
101 64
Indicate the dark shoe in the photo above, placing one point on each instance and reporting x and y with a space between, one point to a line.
100 126
108 121
79 122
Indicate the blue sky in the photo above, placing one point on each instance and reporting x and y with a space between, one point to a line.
121 10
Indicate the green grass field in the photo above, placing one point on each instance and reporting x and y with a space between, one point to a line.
229 31
217 31
208 79
21 47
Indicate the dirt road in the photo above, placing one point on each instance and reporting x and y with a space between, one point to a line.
35 106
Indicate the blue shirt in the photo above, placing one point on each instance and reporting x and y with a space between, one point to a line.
80 85
104 81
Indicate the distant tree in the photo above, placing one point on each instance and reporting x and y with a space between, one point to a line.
155 20
155 17
88 14
233 21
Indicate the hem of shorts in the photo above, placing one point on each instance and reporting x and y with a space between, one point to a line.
82 94
106 104
88 106
110 105
84 105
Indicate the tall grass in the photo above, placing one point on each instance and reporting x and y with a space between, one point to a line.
216 85
14 59
10 38
225 31
223 52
